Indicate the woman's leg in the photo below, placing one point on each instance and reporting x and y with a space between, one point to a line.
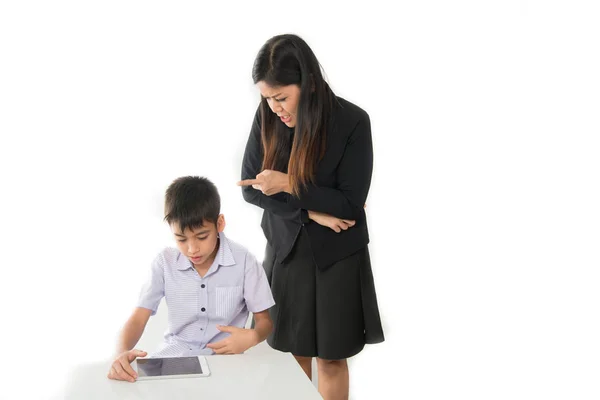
306 364
334 380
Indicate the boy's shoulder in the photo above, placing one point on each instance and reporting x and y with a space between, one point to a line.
239 252
168 257
234 246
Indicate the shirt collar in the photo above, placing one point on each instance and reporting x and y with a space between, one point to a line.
223 258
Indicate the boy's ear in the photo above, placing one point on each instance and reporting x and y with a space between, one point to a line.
221 223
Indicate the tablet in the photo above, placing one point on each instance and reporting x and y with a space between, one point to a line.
170 368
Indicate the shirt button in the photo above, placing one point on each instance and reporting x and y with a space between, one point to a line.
203 286
203 309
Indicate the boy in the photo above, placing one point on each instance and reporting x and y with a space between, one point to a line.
209 282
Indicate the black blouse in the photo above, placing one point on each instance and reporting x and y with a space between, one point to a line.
342 182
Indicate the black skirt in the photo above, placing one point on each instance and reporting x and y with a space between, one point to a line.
329 313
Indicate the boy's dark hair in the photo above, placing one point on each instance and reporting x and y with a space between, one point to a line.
190 201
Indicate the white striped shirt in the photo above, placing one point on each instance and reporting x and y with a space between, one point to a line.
234 285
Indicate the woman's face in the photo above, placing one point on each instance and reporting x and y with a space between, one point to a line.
283 101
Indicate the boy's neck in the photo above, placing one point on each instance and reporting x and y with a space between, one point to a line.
203 269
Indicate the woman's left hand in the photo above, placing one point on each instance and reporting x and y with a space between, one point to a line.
269 182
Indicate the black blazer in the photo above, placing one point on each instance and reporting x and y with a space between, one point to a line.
342 182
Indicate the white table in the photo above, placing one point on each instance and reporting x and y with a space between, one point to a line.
260 373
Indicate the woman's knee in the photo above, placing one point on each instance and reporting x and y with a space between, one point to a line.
331 366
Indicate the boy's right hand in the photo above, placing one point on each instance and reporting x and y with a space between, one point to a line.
334 223
121 370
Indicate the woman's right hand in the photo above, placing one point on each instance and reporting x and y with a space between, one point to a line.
334 223
121 370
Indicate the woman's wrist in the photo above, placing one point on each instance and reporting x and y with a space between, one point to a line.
286 186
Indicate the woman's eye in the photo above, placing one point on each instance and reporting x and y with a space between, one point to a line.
280 100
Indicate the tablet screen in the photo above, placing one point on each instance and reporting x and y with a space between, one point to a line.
168 366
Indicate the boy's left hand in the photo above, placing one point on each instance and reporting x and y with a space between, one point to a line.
239 340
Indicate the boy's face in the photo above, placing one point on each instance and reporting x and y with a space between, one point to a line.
199 244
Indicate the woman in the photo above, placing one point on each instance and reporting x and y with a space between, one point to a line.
308 164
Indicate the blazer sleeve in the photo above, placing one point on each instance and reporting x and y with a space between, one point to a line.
251 166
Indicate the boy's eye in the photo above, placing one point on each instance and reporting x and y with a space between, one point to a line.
197 237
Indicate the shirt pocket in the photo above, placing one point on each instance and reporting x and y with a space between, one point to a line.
228 300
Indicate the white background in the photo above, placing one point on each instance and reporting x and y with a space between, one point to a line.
483 211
